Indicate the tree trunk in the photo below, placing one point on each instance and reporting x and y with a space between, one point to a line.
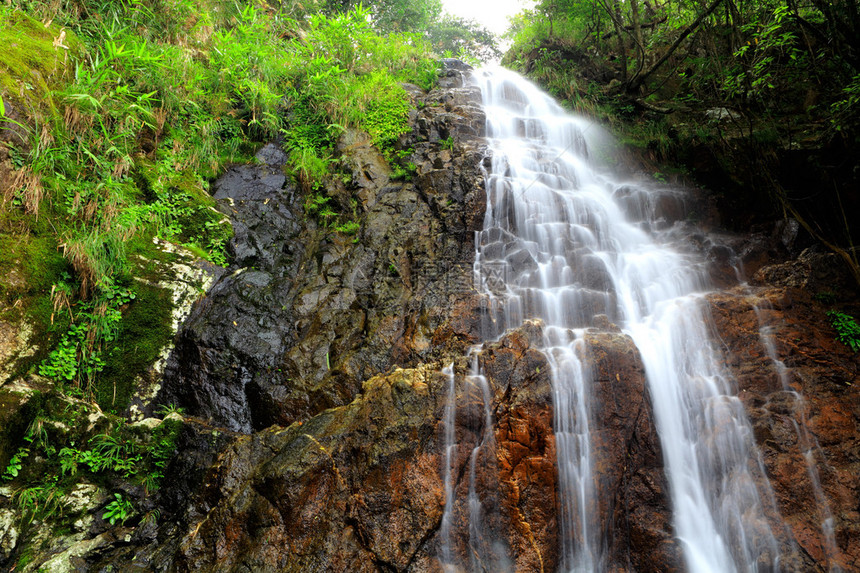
617 22
637 80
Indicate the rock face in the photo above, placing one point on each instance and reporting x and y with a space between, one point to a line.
810 411
308 313
631 487
360 488
312 371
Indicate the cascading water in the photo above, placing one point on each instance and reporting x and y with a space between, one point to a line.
485 552
564 242
807 441
447 475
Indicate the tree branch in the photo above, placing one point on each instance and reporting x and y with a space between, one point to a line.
639 79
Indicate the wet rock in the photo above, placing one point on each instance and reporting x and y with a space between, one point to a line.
359 487
809 410
630 482
306 314
525 455
183 279
521 262
355 488
813 270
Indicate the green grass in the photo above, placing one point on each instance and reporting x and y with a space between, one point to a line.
35 60
148 103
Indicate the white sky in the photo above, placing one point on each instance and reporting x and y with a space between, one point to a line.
492 14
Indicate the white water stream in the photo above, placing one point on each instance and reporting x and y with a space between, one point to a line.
805 439
564 241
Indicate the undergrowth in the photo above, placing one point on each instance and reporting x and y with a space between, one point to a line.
58 452
847 329
139 105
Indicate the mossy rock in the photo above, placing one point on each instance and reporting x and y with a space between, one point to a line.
203 229
30 264
145 330
35 59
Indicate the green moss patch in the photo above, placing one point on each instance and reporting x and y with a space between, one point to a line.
35 57
29 265
144 331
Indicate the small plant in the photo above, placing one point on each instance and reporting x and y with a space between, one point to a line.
348 228
119 510
16 463
316 205
166 409
847 329
40 501
825 297
447 143
151 516
405 172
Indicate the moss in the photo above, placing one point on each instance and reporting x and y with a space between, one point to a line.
32 65
202 228
25 557
29 267
37 259
148 257
144 331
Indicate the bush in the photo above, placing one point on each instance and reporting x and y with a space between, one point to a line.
847 329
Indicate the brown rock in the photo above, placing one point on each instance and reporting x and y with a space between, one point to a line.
816 415
631 488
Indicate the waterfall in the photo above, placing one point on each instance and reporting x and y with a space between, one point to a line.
566 242
484 551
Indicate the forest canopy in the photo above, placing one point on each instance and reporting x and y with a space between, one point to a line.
770 88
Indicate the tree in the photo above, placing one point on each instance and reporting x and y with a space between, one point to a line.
395 15
463 37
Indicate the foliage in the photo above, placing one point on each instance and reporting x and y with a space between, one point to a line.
146 101
463 38
40 501
316 205
744 53
118 510
393 15
78 356
384 109
123 453
847 329
13 468
60 451
770 42
844 110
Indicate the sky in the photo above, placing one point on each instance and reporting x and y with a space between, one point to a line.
492 14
